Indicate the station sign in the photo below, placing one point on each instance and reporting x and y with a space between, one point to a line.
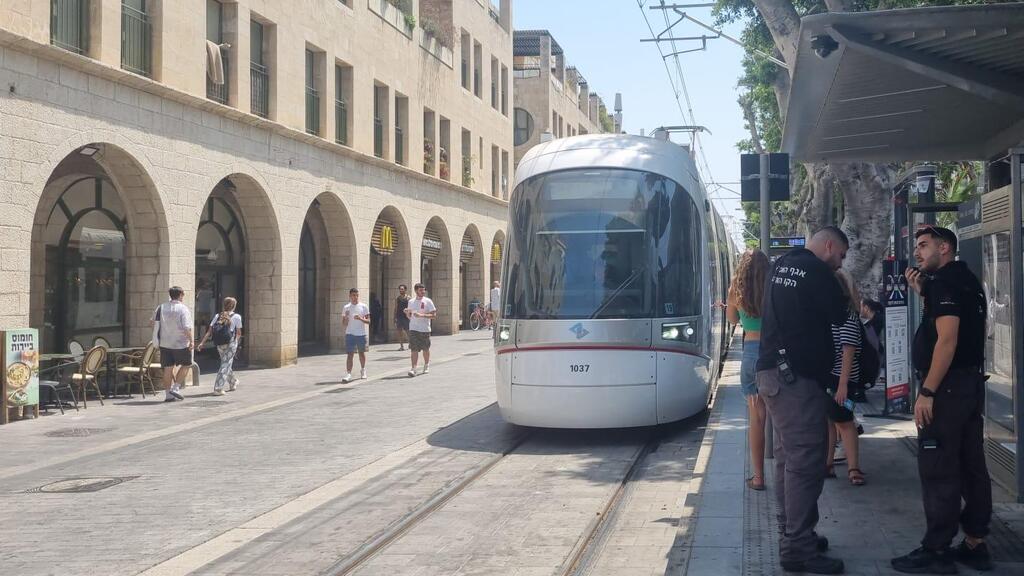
787 242
778 177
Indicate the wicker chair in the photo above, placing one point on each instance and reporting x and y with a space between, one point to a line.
138 368
95 359
101 341
75 349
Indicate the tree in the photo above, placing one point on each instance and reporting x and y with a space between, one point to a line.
862 189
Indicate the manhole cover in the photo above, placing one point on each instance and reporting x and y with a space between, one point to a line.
78 485
76 432
206 403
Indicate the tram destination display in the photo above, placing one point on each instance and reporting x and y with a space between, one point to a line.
19 371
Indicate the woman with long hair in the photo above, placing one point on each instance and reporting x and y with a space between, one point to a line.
226 331
847 345
744 308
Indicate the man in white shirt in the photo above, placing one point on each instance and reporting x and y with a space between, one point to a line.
174 337
355 318
421 309
495 301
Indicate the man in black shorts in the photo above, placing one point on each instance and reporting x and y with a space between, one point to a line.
174 337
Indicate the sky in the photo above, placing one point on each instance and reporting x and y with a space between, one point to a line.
602 39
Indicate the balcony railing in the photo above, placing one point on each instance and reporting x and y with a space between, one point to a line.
378 138
220 92
136 41
69 25
312 111
259 81
399 148
340 122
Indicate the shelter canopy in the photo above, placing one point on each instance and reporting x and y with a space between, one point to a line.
942 83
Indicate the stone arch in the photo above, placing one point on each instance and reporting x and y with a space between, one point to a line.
390 266
333 245
436 272
136 273
472 273
257 279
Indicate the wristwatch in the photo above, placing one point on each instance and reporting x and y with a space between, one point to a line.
926 392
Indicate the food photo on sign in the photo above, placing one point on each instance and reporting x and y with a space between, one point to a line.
20 371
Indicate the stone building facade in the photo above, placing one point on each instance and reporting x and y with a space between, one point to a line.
550 97
315 166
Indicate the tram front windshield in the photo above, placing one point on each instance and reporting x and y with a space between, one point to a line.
602 243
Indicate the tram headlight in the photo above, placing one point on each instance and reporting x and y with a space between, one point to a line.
504 333
679 331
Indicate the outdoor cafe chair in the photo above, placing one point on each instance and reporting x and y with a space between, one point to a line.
101 341
60 384
75 349
89 368
138 367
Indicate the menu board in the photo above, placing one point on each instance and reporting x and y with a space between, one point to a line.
20 370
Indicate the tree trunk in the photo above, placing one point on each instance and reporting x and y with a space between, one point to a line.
867 196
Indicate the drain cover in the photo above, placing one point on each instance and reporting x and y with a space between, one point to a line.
76 432
79 485
206 403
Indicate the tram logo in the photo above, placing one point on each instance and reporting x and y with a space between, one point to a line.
579 330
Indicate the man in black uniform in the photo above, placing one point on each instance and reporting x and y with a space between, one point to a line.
802 300
948 353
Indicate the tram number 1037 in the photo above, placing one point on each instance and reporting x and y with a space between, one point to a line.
579 368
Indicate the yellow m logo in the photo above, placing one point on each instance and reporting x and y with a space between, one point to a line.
387 238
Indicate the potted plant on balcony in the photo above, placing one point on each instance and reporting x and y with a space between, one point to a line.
467 171
428 156
443 163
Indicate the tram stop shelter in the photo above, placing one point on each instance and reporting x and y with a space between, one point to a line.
934 84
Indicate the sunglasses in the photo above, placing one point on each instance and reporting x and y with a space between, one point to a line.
943 233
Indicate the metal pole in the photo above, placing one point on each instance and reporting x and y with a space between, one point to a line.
766 220
1017 302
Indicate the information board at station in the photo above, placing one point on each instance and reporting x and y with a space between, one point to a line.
897 341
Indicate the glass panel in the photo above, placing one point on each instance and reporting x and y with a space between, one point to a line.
256 42
602 244
211 248
999 397
214 22
94 272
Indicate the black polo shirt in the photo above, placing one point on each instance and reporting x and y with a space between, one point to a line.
952 291
802 300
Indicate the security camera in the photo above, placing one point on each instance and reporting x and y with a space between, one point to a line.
823 45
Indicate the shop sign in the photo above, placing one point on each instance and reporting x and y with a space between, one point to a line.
495 253
20 364
384 238
468 249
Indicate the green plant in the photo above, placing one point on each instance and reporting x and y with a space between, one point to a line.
410 20
467 171
432 29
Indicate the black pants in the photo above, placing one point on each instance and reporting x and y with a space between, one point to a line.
955 467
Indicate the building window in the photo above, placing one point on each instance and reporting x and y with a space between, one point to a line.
69 25
312 95
401 122
217 75
136 37
523 126
467 159
258 73
380 112
494 83
465 51
342 95
478 72
504 90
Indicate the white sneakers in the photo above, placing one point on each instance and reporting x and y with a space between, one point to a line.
362 374
347 378
232 387
218 392
412 373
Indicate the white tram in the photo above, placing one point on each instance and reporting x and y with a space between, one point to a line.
615 272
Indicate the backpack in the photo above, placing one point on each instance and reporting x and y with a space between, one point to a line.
223 332
869 360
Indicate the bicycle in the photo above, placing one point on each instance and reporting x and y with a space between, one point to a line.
479 318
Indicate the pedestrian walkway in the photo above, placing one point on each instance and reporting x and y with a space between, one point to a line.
866 526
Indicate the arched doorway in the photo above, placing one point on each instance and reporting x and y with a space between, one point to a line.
471 275
308 302
220 258
497 251
326 271
436 273
85 288
389 267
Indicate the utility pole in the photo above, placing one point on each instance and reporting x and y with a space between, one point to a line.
766 241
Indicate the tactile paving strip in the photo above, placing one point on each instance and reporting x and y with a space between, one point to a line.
760 533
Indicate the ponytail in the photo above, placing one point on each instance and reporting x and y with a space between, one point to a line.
228 309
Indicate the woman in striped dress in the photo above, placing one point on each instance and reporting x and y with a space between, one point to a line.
846 341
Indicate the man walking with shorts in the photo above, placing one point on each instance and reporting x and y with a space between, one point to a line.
174 337
802 301
495 303
355 318
421 309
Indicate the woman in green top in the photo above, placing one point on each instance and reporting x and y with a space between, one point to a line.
744 308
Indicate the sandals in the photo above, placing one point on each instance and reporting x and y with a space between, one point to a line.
856 476
759 486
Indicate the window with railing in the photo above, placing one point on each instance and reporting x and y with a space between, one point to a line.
378 137
136 37
69 25
217 91
399 148
312 96
259 76
340 106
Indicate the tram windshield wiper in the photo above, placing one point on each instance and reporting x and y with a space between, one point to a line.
615 293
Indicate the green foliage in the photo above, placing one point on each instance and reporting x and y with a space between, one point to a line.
607 124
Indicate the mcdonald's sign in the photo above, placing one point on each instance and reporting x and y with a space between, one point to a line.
387 238
495 253
384 238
